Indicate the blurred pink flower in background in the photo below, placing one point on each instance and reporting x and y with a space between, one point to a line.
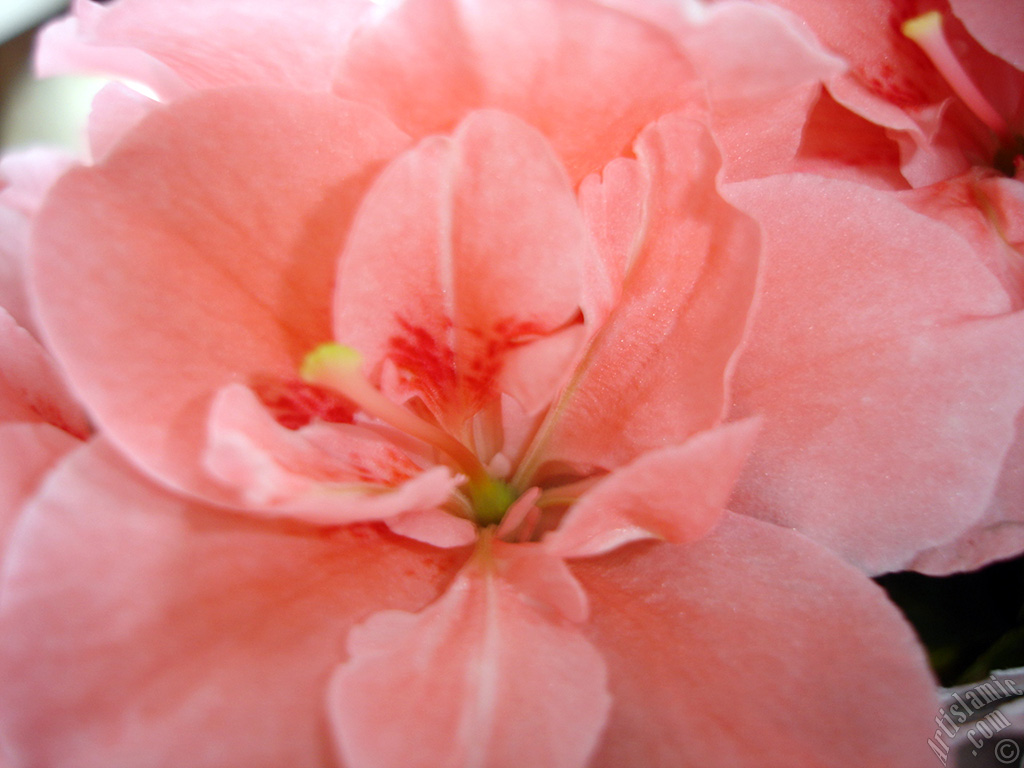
943 89
424 344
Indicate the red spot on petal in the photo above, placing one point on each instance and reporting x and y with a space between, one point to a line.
442 378
908 78
426 359
294 403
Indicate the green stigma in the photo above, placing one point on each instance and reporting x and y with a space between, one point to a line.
490 499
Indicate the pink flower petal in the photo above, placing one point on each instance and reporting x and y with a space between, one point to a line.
65 47
612 203
996 24
327 474
839 143
25 178
893 84
759 103
588 77
986 211
997 534
27 453
656 372
676 494
453 283
479 678
212 232
888 73
738 650
31 389
141 630
887 408
115 109
242 42
435 527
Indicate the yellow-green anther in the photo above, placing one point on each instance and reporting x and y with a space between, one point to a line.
329 360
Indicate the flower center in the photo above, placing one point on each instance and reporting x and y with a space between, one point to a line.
926 31
339 368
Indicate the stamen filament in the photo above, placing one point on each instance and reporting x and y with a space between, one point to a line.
339 368
567 494
926 31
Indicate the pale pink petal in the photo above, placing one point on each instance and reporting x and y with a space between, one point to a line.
27 453
887 406
892 83
542 578
754 647
435 527
140 630
986 211
612 203
31 388
657 371
759 102
327 474
839 143
13 289
466 249
888 72
115 109
196 44
996 24
479 678
25 178
675 494
209 236
997 534
588 77
64 47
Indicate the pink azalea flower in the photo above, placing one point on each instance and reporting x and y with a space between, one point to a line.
420 376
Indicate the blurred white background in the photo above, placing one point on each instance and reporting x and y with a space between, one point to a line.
32 111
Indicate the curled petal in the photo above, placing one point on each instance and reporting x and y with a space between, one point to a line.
330 474
759 104
657 372
435 527
675 494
